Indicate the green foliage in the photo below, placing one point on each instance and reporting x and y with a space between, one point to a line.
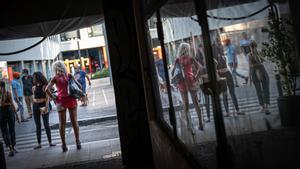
100 74
280 49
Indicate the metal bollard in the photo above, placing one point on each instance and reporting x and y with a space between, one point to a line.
2 157
277 77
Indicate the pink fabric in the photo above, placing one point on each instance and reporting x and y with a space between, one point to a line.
63 97
189 81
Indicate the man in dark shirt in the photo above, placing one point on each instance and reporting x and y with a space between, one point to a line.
80 76
27 82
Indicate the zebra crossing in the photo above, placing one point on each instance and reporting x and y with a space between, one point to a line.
27 141
246 105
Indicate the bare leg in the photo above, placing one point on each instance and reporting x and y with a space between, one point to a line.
73 117
62 127
197 107
185 99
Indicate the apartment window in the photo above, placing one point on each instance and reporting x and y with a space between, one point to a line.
70 35
95 30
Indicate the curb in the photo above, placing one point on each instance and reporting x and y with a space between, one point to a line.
87 121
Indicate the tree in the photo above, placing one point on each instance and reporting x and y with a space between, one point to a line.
281 49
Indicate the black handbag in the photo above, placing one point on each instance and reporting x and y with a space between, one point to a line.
221 86
74 88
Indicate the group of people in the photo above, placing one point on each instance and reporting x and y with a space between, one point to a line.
194 73
38 93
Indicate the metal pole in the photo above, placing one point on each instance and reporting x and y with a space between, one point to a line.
224 156
2 157
164 57
107 52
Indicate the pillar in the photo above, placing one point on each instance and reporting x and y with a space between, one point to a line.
34 66
105 56
22 65
128 84
44 70
49 68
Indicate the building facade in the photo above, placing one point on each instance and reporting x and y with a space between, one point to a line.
85 48
39 58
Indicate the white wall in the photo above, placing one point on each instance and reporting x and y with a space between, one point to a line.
85 42
49 49
180 28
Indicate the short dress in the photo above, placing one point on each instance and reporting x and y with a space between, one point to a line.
189 82
63 97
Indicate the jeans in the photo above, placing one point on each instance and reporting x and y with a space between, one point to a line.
20 107
37 120
230 86
7 124
28 101
235 73
261 82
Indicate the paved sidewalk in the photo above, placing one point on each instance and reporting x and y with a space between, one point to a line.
48 157
101 108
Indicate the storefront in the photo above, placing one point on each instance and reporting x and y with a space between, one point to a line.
94 59
226 99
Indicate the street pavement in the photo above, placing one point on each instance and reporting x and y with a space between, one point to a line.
98 133
98 124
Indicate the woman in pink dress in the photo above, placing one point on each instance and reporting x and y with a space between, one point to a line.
189 81
63 102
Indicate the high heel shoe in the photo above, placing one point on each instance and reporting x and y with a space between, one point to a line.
201 127
64 148
78 144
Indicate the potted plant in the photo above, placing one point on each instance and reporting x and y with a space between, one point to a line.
281 50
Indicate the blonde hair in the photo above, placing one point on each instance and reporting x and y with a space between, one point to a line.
59 67
184 49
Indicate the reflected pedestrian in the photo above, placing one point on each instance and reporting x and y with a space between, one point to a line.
232 61
245 46
41 107
8 116
161 71
260 78
203 77
224 72
188 83
64 102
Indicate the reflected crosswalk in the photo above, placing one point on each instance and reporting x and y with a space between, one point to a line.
246 105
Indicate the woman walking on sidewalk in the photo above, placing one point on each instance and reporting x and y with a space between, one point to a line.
7 119
41 107
63 102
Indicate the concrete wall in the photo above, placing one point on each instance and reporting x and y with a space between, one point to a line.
164 152
49 49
